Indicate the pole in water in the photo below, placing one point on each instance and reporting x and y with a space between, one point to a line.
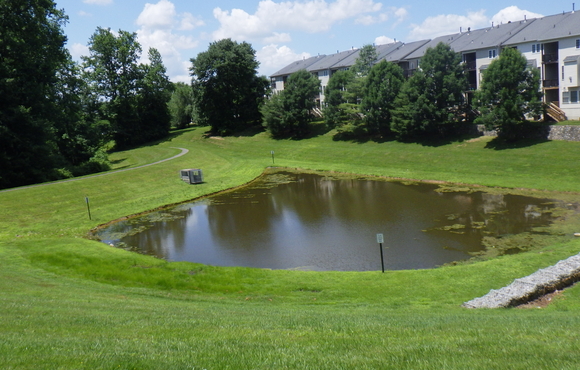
272 152
88 207
381 240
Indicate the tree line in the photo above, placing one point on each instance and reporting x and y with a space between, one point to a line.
371 99
58 118
376 99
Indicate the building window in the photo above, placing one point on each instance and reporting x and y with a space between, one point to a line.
492 54
571 96
536 48
578 44
562 73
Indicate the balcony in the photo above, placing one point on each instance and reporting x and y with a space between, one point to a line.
409 72
471 65
550 58
550 83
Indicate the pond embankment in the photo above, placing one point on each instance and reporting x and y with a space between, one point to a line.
544 281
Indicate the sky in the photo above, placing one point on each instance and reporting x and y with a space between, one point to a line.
284 31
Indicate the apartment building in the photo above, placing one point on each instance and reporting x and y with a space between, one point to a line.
551 44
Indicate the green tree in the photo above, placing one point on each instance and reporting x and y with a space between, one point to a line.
367 57
381 88
113 74
181 105
431 104
131 96
510 91
78 136
155 92
31 52
335 111
228 91
288 114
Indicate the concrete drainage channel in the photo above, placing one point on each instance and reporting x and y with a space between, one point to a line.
523 290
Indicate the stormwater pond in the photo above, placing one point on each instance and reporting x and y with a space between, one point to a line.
288 220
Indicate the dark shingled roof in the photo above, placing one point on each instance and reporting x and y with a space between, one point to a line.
298 65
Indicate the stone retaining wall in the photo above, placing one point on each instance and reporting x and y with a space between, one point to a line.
567 133
523 290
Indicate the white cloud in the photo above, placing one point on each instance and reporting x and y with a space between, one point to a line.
160 26
400 14
512 14
309 16
273 58
77 50
84 14
277 38
189 22
160 15
382 40
369 19
447 24
98 2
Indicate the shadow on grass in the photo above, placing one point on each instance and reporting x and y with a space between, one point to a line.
172 134
442 141
246 132
533 133
503 144
360 136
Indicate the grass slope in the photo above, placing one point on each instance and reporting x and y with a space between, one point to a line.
72 303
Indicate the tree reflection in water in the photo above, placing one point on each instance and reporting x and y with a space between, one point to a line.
316 222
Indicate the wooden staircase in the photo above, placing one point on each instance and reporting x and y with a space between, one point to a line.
317 112
554 111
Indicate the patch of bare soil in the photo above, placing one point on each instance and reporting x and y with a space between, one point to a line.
541 302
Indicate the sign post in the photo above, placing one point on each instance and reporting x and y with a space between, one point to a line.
272 152
88 207
381 240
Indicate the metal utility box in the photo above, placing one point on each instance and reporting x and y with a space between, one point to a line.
191 176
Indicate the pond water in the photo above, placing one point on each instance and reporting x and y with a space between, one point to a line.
290 220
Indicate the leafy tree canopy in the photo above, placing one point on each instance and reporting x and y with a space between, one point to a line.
181 105
335 96
31 52
367 57
131 96
288 113
431 103
510 91
227 89
381 88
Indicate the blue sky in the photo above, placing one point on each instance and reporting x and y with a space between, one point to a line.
284 31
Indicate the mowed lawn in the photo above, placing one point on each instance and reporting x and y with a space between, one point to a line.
68 302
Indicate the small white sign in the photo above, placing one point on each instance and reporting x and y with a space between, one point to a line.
380 238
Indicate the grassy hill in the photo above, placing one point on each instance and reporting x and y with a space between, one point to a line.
69 302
